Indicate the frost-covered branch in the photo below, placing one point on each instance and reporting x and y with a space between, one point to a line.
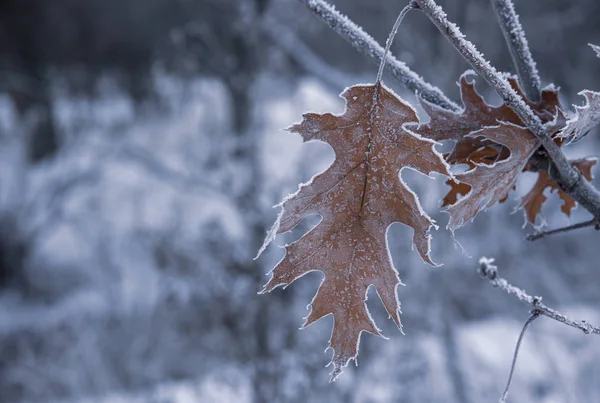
365 44
569 178
519 48
489 270
580 225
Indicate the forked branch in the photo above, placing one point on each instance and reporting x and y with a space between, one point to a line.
490 271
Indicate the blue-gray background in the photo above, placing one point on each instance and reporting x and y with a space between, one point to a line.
141 150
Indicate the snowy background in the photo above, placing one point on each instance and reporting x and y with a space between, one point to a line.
141 150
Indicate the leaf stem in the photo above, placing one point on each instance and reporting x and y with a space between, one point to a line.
390 39
533 317
365 44
514 35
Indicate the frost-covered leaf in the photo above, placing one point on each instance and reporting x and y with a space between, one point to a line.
476 114
491 173
586 117
533 201
358 197
490 184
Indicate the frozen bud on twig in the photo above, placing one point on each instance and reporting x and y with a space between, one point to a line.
487 268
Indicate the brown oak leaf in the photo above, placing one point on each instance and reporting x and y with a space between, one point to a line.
532 202
490 184
476 113
358 197
478 150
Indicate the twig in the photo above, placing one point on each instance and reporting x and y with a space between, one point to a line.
533 317
365 44
569 178
584 224
519 48
489 270
390 39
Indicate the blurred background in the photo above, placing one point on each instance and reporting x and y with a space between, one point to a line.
141 150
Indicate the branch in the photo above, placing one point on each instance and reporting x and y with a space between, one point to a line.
569 179
365 44
489 270
519 48
584 224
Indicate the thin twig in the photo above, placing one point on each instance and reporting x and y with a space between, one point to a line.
365 44
533 317
390 39
569 178
489 270
519 48
584 224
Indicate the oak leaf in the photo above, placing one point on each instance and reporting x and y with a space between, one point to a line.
490 184
358 197
475 146
476 114
532 202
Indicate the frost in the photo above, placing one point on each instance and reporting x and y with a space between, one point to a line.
491 183
519 48
585 119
